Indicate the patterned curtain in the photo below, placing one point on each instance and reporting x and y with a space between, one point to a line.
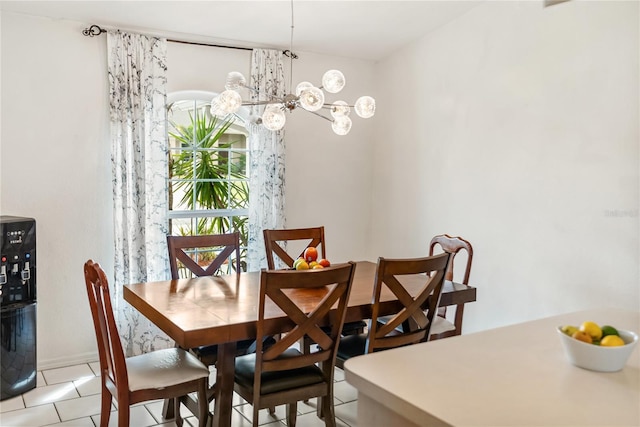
137 98
266 180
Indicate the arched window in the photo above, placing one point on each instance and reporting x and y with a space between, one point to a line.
208 168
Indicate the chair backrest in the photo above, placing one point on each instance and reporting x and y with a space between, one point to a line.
314 235
306 297
453 245
112 359
416 316
214 249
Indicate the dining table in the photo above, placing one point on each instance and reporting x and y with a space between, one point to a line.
223 310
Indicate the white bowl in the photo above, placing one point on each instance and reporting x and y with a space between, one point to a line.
595 357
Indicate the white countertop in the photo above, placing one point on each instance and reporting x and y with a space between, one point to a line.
516 375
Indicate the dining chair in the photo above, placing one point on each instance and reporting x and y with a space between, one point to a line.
442 327
161 374
274 239
412 323
184 251
281 374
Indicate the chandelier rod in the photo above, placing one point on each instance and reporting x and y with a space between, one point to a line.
291 50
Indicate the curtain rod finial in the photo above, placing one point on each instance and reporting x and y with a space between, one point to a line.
93 30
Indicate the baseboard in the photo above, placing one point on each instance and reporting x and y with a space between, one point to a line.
67 361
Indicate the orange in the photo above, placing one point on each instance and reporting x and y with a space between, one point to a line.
582 336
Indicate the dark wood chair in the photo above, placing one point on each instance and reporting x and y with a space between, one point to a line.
281 374
442 327
312 237
274 239
216 249
161 374
411 324
187 254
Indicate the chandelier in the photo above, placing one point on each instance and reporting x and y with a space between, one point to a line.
306 97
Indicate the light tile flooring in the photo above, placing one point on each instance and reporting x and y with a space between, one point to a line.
70 396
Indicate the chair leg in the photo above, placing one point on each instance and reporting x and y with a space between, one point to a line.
256 414
272 410
327 410
123 414
292 412
176 411
203 404
105 408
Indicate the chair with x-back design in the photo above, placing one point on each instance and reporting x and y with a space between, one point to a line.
313 237
216 249
412 323
281 374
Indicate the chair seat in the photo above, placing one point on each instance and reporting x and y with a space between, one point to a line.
208 354
275 381
163 368
350 328
351 346
441 325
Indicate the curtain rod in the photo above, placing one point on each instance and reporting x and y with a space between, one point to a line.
95 30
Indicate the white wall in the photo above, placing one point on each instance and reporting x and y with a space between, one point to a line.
516 127
55 167
55 160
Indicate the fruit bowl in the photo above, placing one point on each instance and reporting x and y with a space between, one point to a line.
598 358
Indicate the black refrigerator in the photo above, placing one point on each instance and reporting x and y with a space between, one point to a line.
18 305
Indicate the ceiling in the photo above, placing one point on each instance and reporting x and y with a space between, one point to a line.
365 29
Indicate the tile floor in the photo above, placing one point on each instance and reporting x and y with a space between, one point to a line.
70 396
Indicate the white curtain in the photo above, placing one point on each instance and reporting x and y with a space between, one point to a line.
266 180
137 98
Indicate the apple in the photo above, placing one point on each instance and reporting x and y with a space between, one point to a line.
310 254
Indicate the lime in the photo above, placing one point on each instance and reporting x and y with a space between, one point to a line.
592 329
609 330
612 341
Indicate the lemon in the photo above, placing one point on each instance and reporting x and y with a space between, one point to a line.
592 329
612 341
569 329
609 330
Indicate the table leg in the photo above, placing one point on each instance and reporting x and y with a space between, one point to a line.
225 369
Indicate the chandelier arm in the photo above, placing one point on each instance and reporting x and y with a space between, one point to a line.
320 115
325 105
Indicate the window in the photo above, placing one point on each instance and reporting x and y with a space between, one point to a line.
208 176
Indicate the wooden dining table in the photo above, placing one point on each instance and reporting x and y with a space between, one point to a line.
223 310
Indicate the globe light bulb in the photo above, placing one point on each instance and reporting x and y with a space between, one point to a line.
302 86
340 108
365 107
273 117
333 81
229 101
235 80
312 99
341 125
216 108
